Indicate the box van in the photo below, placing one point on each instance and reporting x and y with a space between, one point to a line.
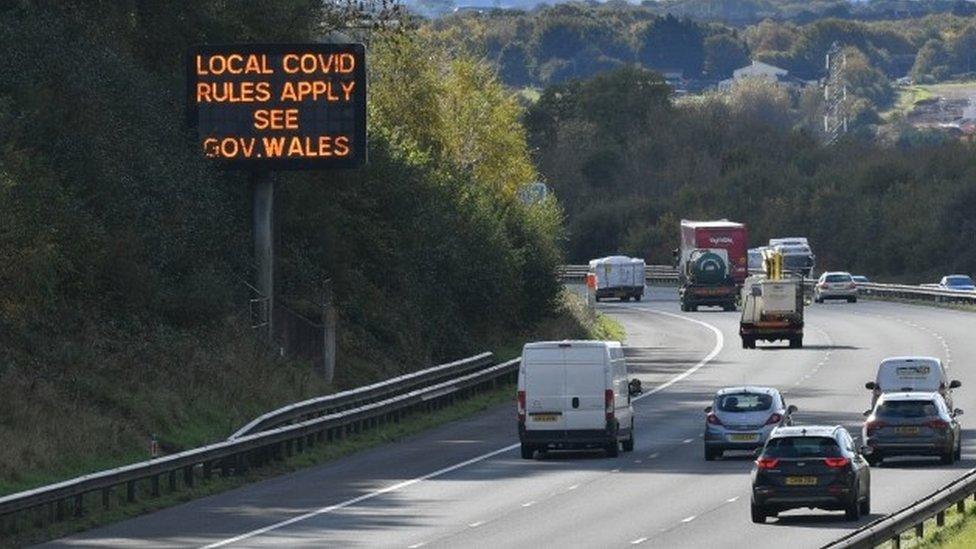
912 373
575 394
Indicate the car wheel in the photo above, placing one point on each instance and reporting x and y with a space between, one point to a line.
711 454
527 451
866 506
758 514
597 299
796 343
613 449
874 460
818 299
853 510
949 457
959 449
638 297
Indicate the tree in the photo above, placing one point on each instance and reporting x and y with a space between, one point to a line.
668 43
932 61
723 54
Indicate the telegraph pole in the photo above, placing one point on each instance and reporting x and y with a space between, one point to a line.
263 228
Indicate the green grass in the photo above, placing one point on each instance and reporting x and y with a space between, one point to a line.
959 532
320 453
907 99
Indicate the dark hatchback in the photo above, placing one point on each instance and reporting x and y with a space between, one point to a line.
814 467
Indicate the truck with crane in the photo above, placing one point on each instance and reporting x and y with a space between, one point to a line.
772 305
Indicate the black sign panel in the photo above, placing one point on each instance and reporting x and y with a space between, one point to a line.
279 106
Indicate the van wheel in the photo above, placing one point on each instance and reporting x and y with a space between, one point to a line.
527 451
613 449
758 514
629 443
638 297
796 342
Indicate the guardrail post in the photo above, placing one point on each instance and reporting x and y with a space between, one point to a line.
961 505
188 475
207 469
920 530
106 498
130 491
79 505
155 486
896 542
940 519
172 481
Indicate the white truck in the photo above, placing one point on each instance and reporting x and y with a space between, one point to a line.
772 305
798 257
575 395
619 276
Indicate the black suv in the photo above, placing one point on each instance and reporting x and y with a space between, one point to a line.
811 466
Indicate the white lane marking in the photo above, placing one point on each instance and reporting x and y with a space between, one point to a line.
416 545
573 487
686 441
719 344
638 461
688 519
614 470
654 455
638 541
528 504
355 500
476 524
731 500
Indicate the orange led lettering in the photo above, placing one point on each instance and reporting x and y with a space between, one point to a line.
276 119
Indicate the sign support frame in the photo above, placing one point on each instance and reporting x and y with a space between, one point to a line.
262 189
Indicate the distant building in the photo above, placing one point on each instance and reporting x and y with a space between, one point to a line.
763 71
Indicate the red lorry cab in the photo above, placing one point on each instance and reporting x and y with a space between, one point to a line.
722 234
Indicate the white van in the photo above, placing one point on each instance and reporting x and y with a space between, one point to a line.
914 374
575 394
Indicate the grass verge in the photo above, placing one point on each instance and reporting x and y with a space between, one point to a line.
318 454
958 532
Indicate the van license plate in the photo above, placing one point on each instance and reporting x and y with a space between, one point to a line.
906 430
801 481
544 417
751 437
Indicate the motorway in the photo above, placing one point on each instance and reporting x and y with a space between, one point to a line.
464 485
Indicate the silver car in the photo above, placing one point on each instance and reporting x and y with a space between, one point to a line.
741 418
912 424
835 285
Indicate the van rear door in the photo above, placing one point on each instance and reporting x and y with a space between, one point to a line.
545 389
587 379
909 375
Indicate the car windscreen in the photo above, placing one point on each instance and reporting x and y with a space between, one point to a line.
959 281
802 447
894 409
838 278
745 402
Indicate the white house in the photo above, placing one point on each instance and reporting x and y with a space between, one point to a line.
763 71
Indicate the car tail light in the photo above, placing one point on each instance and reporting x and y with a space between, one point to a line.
608 399
766 463
938 424
713 419
521 406
774 419
872 426
836 463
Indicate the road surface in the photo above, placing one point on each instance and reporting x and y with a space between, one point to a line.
464 485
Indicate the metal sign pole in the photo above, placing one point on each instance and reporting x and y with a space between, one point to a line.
263 225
